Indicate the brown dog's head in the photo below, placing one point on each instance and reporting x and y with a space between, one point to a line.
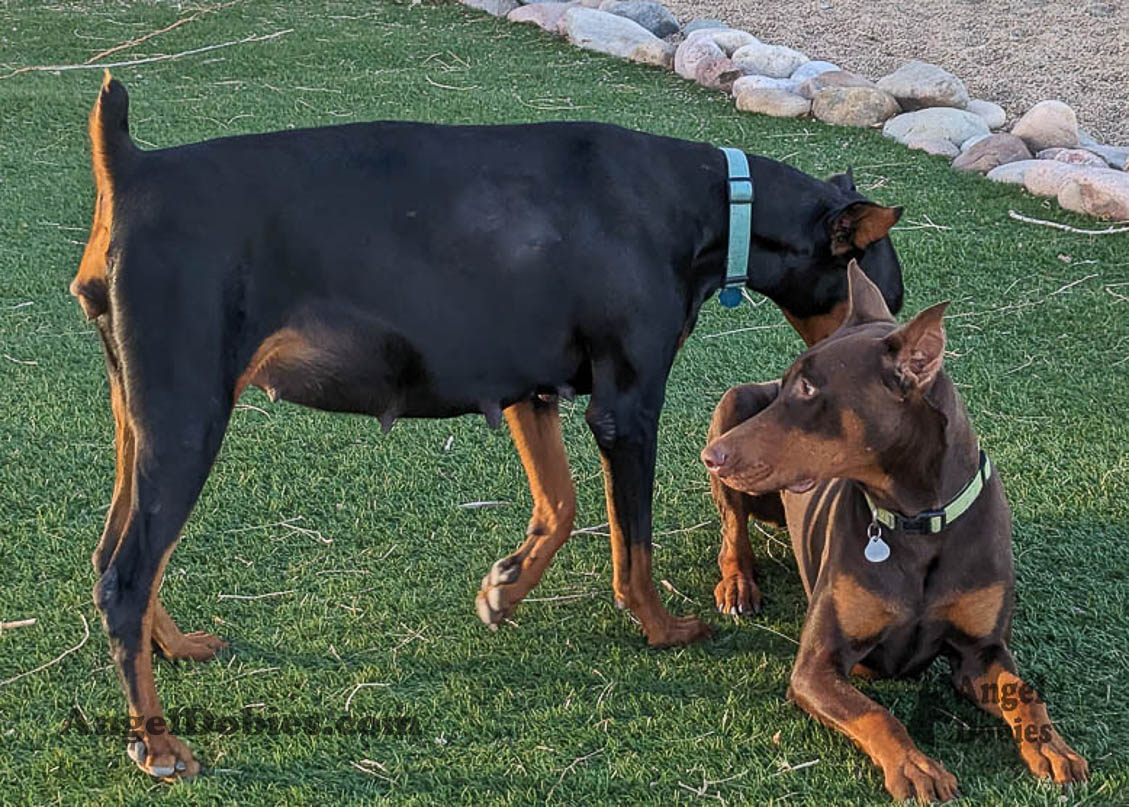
845 407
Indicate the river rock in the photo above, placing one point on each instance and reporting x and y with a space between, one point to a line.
1046 125
834 78
746 83
778 103
1072 156
1100 192
1114 156
814 68
499 8
936 147
935 123
701 24
776 61
655 17
990 152
717 74
1040 177
993 114
544 15
918 85
694 52
853 106
728 39
600 31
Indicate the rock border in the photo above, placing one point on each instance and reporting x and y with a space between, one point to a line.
920 105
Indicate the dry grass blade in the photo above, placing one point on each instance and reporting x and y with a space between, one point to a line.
57 659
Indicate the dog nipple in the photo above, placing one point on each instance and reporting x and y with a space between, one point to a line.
493 413
387 421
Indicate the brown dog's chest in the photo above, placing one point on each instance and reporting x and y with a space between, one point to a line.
898 615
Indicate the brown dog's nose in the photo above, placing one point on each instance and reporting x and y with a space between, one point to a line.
714 457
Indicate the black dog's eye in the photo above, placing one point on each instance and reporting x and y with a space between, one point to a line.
804 388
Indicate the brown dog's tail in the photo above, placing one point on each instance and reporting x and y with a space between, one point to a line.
111 150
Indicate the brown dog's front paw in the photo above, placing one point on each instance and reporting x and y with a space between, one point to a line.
1054 760
164 756
737 593
917 776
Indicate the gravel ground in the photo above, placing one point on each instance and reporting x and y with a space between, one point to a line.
1013 52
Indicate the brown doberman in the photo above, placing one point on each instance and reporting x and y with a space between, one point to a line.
864 428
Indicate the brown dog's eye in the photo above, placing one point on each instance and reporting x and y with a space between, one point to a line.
804 388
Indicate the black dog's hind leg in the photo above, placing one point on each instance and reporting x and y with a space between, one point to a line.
535 427
623 415
177 404
737 591
167 638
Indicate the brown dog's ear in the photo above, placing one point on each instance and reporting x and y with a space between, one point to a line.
860 224
865 301
919 347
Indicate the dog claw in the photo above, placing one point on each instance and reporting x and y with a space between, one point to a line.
168 758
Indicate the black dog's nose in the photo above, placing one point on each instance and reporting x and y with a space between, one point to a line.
714 457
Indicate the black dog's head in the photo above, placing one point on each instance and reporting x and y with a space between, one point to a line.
804 240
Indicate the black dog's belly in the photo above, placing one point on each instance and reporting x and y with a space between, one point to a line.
339 358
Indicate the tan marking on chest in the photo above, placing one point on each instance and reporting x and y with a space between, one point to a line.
974 613
862 613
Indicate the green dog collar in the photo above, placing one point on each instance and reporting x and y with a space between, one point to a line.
740 227
931 522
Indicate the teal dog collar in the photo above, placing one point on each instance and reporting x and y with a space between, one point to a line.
740 227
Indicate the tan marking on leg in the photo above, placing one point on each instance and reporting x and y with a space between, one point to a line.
1004 694
117 518
662 628
908 773
162 751
861 614
621 561
536 432
178 646
974 613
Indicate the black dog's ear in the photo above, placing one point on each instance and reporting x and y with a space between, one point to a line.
844 182
864 300
860 224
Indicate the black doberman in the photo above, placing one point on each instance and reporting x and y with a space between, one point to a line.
863 429
411 270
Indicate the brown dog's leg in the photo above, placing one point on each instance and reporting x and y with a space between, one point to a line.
536 430
820 687
737 592
997 689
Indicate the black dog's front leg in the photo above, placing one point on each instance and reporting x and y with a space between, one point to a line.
625 425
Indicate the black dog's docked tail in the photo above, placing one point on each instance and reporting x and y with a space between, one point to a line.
110 148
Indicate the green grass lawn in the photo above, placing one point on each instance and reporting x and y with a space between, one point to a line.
377 586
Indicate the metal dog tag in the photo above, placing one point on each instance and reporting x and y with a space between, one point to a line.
877 550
